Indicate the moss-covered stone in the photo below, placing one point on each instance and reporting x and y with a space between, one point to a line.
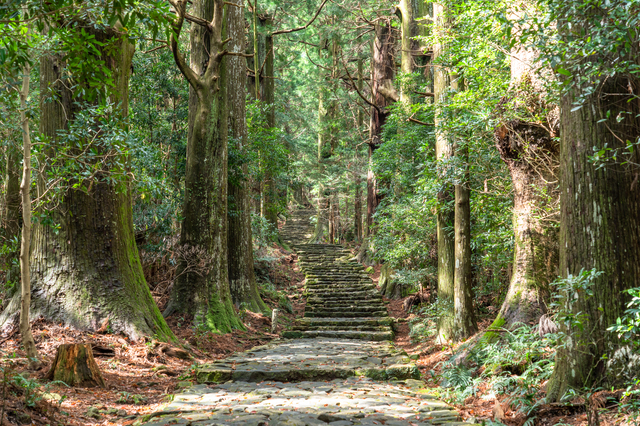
292 334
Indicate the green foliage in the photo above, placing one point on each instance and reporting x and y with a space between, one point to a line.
30 389
93 148
516 365
404 217
268 290
628 330
130 398
8 252
267 154
628 327
263 233
584 42
567 291
158 116
425 324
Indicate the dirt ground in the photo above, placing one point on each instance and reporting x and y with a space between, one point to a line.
138 376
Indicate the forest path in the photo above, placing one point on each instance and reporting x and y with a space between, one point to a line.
316 380
342 301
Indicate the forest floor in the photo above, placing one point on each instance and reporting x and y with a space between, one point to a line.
140 379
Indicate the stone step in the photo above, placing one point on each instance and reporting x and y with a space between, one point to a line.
327 283
351 301
380 328
378 305
355 309
346 322
340 290
345 308
360 295
312 281
336 283
340 287
336 275
342 301
343 314
374 336
350 277
339 302
350 296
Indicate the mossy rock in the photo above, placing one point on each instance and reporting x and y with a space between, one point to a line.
213 376
292 334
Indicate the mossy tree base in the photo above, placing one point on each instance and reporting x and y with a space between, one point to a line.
202 284
87 270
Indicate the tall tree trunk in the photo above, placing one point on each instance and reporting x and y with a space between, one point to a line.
11 203
599 219
10 214
326 112
88 270
530 151
332 219
357 205
465 323
321 220
25 187
446 214
464 320
242 280
270 193
202 284
407 10
254 63
382 75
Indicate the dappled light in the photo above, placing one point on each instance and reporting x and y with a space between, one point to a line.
314 212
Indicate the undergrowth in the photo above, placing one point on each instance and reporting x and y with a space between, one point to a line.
516 366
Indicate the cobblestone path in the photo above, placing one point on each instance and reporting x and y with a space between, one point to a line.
323 378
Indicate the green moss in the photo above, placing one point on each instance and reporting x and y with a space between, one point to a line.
491 335
214 376
220 316
293 334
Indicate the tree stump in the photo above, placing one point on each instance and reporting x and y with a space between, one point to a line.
75 366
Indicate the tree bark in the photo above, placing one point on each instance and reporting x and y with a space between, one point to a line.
465 323
357 205
25 187
242 280
88 270
270 193
202 284
528 147
74 365
531 153
10 214
599 221
332 220
446 214
326 117
382 75
409 46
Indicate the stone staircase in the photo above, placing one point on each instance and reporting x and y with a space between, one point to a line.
298 229
342 301
322 381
